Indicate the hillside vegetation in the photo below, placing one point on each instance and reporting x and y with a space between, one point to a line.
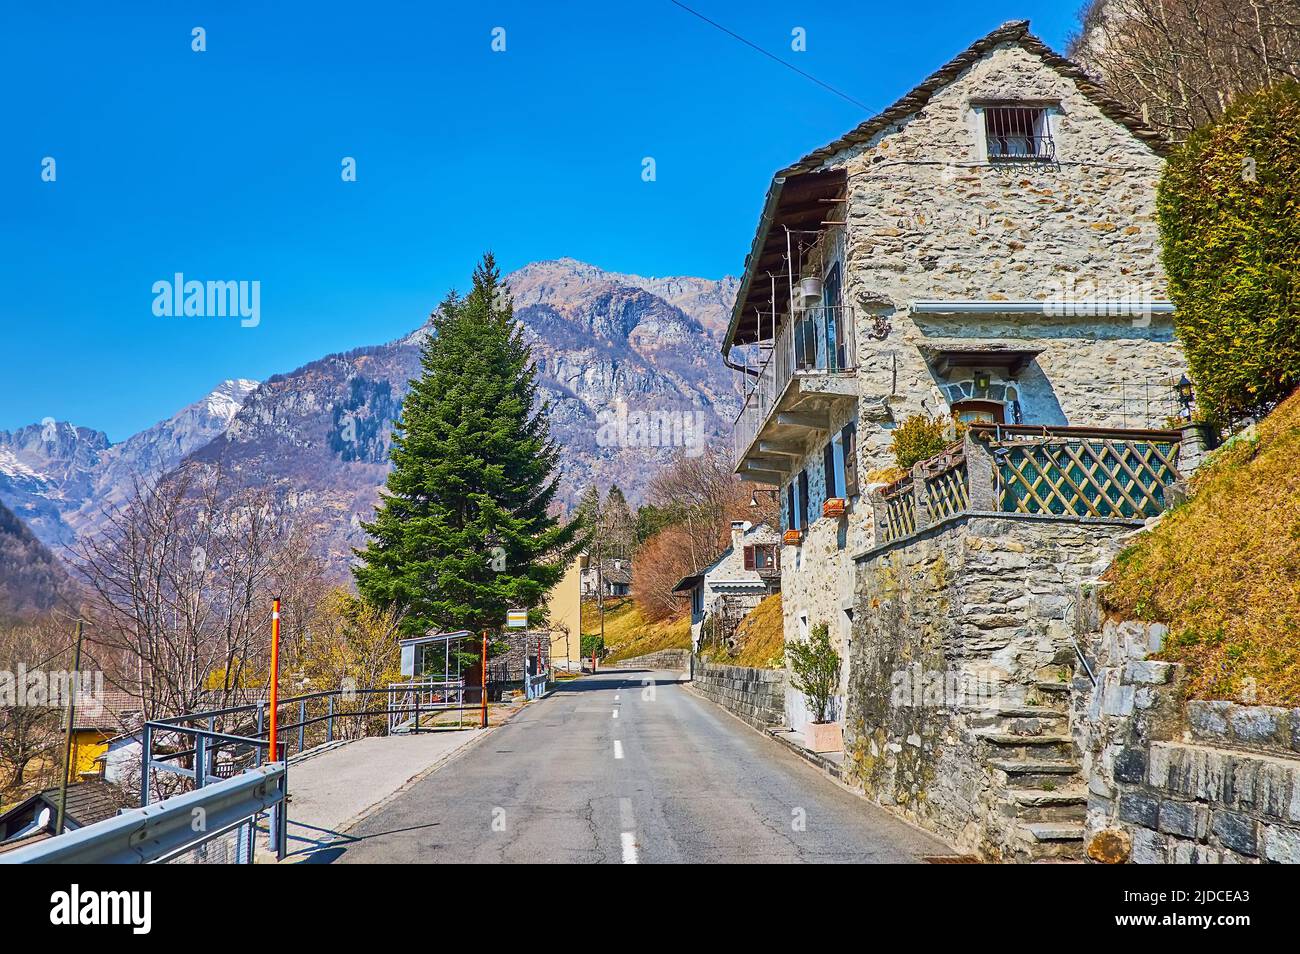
1223 569
760 638
629 634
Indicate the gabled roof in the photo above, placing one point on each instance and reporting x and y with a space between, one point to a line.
88 802
1015 31
688 583
824 183
111 711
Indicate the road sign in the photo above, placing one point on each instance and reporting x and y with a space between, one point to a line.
517 619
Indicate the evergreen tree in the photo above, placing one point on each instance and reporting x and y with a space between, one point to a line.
589 514
619 525
463 530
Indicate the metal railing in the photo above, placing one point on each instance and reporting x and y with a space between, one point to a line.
1067 472
819 340
423 697
169 829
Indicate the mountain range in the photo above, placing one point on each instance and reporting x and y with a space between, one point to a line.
628 367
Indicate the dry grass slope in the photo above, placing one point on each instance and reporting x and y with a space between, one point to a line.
760 638
628 634
1223 570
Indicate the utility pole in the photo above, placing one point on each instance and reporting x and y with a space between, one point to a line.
74 685
483 672
275 679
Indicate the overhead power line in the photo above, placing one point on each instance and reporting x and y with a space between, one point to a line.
773 56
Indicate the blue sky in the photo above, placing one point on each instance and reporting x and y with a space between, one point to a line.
225 165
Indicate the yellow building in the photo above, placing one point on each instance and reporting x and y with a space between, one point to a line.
99 718
564 613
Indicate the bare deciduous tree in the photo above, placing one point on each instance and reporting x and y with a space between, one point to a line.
181 583
1179 63
30 734
705 496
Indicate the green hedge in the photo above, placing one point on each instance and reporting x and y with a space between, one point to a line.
1229 212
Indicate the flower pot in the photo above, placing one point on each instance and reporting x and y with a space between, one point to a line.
834 507
793 538
824 736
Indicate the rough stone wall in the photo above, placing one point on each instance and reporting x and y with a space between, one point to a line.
756 695
1174 781
952 628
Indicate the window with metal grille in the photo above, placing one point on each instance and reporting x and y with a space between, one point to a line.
1018 134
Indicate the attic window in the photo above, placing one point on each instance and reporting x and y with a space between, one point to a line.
1018 134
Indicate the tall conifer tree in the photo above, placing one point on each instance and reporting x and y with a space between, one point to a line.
463 530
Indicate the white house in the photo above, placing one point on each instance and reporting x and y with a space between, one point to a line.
728 588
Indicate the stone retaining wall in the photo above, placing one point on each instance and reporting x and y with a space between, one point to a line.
678 659
1174 781
755 695
961 647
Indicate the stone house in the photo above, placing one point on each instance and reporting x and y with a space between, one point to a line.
735 582
613 576
986 249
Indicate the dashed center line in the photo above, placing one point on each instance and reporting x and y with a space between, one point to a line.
618 749
615 713
629 848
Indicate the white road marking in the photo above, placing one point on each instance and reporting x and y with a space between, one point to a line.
615 713
629 848
618 749
616 697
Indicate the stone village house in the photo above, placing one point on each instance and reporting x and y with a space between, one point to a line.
986 248
734 583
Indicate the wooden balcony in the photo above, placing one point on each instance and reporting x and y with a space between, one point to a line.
809 372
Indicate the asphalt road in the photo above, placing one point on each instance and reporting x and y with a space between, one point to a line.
670 778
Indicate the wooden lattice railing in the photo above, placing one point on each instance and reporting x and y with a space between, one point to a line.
1100 473
1106 477
946 487
900 509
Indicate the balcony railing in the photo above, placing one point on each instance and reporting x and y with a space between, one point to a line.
819 340
1068 472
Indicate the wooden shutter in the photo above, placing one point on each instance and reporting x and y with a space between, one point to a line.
849 438
828 465
749 557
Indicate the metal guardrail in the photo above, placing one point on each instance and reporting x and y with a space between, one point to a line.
166 829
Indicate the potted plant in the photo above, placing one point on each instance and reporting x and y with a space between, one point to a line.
815 669
792 538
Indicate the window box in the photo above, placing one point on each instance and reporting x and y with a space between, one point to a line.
793 538
835 507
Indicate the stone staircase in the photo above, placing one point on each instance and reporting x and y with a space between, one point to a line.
1038 791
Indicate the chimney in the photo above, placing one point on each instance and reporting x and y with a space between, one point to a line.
738 528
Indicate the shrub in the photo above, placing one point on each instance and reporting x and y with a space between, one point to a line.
816 670
1230 230
920 437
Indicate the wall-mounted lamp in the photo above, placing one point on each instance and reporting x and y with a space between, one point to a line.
1183 389
982 379
753 496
